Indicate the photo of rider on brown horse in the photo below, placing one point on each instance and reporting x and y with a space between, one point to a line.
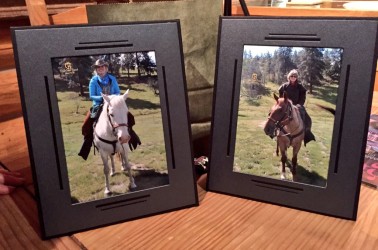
296 92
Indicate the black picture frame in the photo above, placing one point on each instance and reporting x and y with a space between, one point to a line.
35 49
357 38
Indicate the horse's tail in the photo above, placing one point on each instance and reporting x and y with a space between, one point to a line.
331 110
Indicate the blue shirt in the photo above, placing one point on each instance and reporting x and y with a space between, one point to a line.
98 85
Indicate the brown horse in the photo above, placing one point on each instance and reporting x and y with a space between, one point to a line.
285 123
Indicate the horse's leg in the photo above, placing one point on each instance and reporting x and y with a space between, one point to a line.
104 158
294 160
125 166
283 162
112 170
277 152
283 150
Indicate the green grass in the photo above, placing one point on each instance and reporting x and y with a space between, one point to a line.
86 178
255 151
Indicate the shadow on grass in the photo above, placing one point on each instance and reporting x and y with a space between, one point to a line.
143 179
307 177
150 179
124 87
326 92
141 104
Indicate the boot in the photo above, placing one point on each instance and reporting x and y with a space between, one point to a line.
86 148
87 131
309 136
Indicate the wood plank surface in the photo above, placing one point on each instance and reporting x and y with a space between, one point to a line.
10 102
37 11
225 222
16 231
13 146
74 16
52 9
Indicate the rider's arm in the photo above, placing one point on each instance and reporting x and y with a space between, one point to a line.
302 95
93 94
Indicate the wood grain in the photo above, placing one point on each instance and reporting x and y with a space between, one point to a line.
13 146
37 11
225 222
74 16
6 55
10 102
16 232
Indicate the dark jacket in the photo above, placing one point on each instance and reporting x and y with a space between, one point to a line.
296 93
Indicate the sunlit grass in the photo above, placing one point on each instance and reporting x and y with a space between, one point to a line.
255 151
86 178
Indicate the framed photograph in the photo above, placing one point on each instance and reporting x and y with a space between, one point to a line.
292 101
106 116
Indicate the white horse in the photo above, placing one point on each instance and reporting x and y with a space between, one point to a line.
111 133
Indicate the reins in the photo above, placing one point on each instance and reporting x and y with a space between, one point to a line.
283 121
114 127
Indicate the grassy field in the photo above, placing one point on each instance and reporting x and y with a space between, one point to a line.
86 178
255 151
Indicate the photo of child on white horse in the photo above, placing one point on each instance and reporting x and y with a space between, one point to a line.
114 97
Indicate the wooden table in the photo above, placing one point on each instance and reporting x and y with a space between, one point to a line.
219 222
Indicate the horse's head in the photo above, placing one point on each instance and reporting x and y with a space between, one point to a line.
117 114
278 115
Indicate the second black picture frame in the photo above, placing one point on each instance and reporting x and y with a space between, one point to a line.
334 61
54 67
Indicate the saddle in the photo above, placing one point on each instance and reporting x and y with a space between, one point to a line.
87 132
307 122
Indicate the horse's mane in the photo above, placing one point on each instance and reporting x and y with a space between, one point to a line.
282 100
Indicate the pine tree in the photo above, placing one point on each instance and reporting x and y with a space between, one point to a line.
312 66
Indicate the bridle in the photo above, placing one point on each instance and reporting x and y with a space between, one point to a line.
284 120
279 125
114 126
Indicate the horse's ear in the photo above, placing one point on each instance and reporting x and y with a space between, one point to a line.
275 97
106 98
126 94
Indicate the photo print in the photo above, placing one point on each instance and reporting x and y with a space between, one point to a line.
272 133
291 111
140 163
90 101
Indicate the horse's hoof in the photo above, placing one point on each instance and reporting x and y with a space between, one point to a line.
107 192
132 185
112 174
283 177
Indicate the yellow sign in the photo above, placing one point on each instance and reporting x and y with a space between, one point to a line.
68 67
254 77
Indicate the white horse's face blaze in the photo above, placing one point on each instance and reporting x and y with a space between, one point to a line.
118 113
